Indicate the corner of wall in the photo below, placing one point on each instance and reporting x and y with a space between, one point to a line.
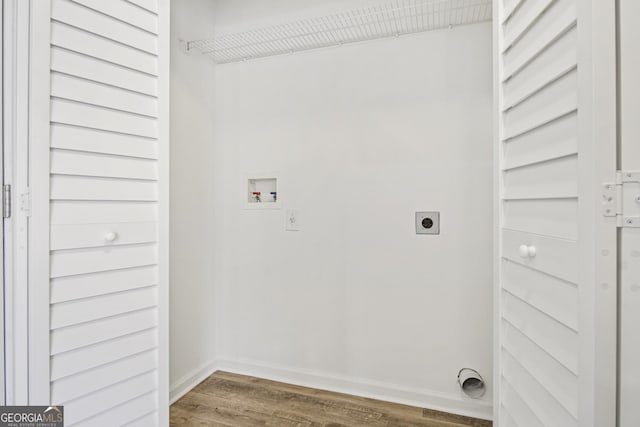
189 381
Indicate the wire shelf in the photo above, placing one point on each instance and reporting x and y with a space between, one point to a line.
391 19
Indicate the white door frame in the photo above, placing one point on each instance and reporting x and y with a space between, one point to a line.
39 168
629 91
598 293
2 243
16 228
23 231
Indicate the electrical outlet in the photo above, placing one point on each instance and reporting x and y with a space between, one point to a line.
427 222
292 220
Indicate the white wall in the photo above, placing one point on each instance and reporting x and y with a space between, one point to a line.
362 137
192 210
234 15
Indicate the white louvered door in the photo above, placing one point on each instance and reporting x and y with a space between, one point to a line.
556 285
99 113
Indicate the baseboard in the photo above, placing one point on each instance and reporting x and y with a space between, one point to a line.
190 380
438 401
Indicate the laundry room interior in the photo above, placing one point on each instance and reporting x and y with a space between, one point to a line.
381 213
356 139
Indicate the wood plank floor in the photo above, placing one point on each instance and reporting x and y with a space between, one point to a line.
229 400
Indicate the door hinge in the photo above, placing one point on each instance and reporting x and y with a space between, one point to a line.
621 199
6 201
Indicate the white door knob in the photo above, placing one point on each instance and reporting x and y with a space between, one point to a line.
524 251
527 251
532 251
110 236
